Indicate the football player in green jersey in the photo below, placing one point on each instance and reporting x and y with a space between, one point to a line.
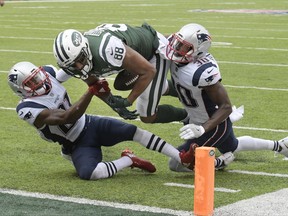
112 48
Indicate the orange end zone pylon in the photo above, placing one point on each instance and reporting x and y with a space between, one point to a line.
204 181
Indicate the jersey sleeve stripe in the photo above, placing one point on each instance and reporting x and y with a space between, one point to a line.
50 70
199 72
30 104
107 38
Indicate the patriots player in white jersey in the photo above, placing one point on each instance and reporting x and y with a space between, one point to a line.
113 48
46 106
197 79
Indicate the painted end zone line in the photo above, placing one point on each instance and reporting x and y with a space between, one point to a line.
141 208
225 190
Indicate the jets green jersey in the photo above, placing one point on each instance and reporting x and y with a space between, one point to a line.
107 45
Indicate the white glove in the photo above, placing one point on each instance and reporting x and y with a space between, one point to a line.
237 113
191 131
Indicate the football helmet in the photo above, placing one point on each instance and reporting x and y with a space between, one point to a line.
190 43
28 80
72 53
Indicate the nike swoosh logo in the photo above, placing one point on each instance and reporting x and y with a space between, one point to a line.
210 71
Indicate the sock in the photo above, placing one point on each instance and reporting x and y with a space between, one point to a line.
277 147
167 113
247 143
109 169
155 143
218 162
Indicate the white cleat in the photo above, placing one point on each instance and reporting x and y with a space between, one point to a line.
226 159
284 146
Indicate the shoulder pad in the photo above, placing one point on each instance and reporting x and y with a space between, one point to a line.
207 74
51 70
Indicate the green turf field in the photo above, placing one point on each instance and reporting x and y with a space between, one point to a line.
251 48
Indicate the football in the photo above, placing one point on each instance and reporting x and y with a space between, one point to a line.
125 81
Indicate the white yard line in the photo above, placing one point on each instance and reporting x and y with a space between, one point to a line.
225 190
258 173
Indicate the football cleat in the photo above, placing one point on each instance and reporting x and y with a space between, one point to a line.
224 160
188 158
139 162
283 143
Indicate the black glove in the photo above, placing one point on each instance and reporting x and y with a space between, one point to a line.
118 102
126 114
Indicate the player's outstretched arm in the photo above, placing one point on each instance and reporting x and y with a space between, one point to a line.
60 116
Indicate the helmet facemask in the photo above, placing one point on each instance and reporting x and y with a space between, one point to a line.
37 83
81 66
179 50
190 43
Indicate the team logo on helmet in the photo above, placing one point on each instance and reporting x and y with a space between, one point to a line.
13 78
76 39
203 37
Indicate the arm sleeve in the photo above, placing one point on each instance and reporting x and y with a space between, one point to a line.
61 76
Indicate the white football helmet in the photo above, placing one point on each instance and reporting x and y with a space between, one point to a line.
28 80
71 47
190 43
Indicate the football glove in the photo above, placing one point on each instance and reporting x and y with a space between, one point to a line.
99 88
126 114
237 113
191 131
118 102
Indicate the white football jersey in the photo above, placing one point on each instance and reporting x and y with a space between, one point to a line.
188 80
28 109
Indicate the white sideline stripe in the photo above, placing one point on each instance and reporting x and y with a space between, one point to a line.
257 88
225 190
249 48
41 1
254 64
237 127
26 38
261 129
25 51
258 173
268 204
7 108
133 207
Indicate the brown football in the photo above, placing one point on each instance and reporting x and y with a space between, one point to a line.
125 81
